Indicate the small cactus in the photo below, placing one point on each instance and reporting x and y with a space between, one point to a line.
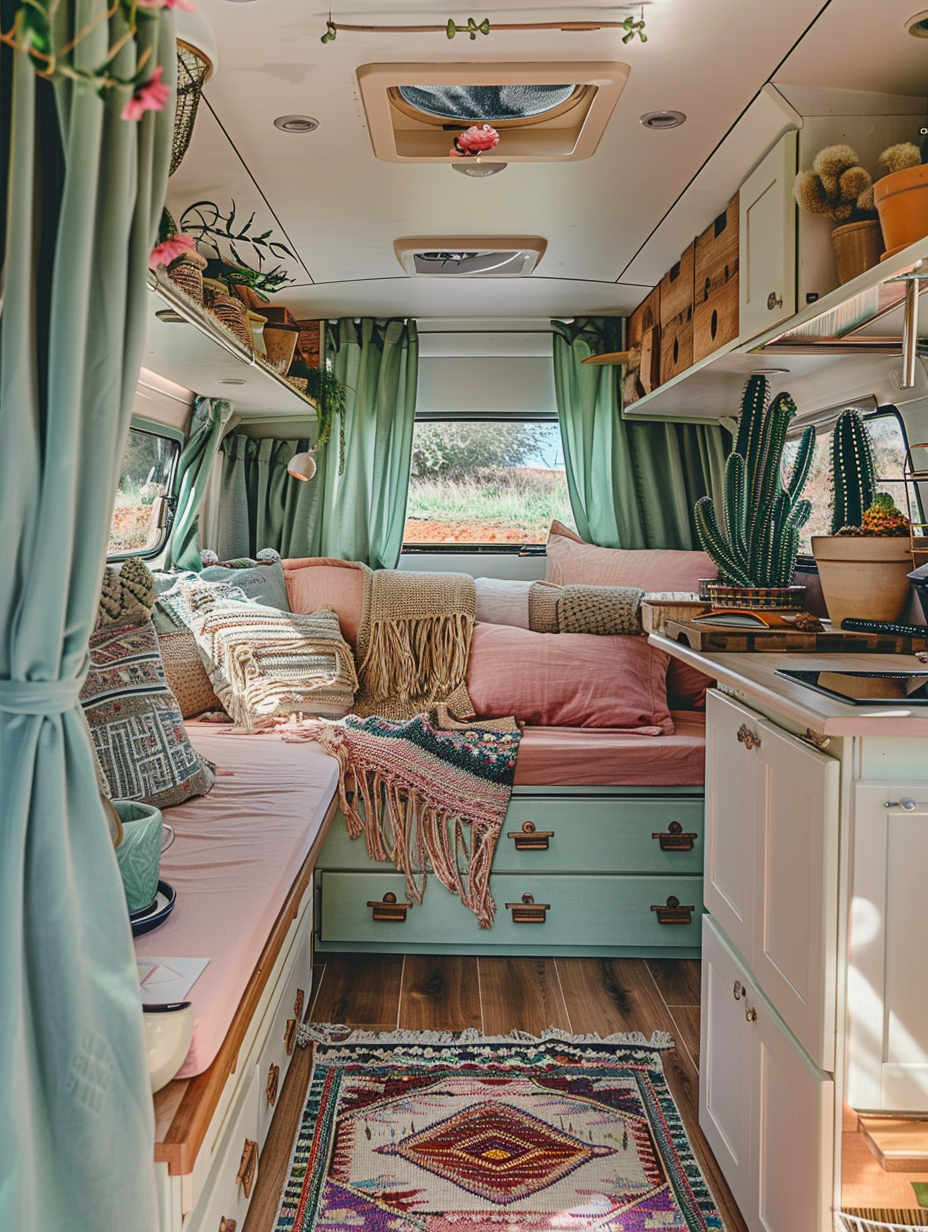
881 518
851 471
837 186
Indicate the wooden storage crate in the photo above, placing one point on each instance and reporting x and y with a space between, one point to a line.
309 344
715 306
643 334
677 316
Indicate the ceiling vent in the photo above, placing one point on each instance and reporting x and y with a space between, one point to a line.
551 112
485 257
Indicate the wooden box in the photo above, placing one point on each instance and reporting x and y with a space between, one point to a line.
643 334
276 314
677 316
309 344
715 299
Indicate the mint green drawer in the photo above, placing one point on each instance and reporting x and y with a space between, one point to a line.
583 911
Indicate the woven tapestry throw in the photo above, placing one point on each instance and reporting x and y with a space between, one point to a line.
425 798
410 1134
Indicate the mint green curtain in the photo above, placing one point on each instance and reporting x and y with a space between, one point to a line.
81 192
260 505
631 485
210 415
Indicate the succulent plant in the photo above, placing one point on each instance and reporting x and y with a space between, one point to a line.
755 542
881 518
837 186
852 471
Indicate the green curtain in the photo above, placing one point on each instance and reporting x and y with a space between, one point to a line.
631 485
81 192
260 505
210 416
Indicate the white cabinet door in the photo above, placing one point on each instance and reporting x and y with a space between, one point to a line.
767 240
888 1045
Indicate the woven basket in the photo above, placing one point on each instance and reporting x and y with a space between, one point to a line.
187 275
233 314
777 598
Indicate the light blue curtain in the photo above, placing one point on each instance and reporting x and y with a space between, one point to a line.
82 192
631 485
210 415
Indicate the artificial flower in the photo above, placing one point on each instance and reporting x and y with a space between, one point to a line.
151 95
170 249
476 140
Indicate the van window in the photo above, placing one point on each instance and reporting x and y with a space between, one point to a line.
139 526
485 483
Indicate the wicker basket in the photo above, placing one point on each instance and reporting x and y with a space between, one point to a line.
233 314
777 598
657 609
877 1220
186 273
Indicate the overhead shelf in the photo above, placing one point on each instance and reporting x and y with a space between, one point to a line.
189 346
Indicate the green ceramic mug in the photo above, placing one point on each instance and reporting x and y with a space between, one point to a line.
144 838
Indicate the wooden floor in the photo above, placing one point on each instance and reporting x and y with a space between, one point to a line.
386 992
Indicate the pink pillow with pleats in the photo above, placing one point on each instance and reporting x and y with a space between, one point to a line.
569 679
572 562
321 581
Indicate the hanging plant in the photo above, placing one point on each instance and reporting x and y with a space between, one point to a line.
234 255
330 397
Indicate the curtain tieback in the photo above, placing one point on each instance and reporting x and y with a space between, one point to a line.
39 696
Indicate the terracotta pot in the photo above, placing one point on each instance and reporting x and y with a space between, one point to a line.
280 341
902 203
863 576
857 246
776 598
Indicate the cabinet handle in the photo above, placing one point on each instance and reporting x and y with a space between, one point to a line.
247 1167
748 737
273 1078
908 805
773 301
739 990
528 911
298 1001
530 839
389 910
674 838
750 1013
290 1035
227 1225
672 913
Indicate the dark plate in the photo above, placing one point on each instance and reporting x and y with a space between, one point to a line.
157 913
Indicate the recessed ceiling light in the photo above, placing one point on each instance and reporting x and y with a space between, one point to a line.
917 26
477 171
232 380
296 124
662 119
771 372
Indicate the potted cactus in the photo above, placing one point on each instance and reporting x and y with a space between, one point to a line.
840 189
754 538
901 196
863 564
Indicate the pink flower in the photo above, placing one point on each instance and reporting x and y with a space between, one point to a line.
151 95
476 140
170 249
165 4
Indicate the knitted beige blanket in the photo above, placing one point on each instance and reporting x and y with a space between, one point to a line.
413 643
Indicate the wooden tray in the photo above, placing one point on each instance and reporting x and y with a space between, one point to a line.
702 637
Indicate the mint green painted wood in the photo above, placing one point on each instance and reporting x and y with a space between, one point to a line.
584 911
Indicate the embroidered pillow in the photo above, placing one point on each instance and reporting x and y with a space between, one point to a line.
186 675
261 580
135 721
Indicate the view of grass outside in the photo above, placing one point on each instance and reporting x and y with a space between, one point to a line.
146 468
486 483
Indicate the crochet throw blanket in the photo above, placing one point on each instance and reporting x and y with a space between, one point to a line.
425 798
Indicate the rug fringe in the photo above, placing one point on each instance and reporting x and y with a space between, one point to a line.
338 1033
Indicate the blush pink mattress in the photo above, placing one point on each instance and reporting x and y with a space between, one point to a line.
608 757
236 853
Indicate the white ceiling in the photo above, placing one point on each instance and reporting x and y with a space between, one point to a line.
341 209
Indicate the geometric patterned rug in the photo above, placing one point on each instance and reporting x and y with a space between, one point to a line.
421 1132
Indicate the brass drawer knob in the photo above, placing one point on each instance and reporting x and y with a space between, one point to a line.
672 913
389 910
247 1167
748 737
298 1004
750 1013
273 1078
227 1225
528 911
530 839
674 838
290 1035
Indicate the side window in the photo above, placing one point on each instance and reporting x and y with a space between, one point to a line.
139 526
487 483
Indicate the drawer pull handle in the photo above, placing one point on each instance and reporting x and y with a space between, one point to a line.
247 1167
530 839
298 1004
908 805
389 910
674 838
227 1225
672 913
528 911
750 1013
748 737
290 1035
739 990
273 1078
774 301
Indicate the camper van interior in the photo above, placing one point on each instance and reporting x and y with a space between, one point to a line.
463 648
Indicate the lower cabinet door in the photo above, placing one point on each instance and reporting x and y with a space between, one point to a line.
280 1042
231 1181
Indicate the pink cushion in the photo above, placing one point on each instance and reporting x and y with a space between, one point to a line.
686 686
604 757
568 679
573 562
320 581
501 601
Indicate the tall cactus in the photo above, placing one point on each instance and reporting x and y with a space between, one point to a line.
761 517
852 471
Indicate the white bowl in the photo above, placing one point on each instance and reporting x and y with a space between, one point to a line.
167 1037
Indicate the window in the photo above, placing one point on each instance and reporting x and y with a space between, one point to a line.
485 483
451 105
889 445
140 526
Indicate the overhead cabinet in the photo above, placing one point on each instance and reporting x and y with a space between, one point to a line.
767 226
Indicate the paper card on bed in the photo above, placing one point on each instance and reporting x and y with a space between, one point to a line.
165 980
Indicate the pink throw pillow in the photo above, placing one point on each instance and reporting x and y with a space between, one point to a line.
320 581
569 679
686 686
573 562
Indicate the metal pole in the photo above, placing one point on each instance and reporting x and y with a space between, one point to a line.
910 334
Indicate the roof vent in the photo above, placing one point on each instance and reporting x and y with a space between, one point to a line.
484 257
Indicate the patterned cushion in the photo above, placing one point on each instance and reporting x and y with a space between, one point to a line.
264 662
135 721
263 582
603 610
127 595
186 675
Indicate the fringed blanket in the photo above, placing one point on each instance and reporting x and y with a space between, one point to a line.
425 798
413 643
